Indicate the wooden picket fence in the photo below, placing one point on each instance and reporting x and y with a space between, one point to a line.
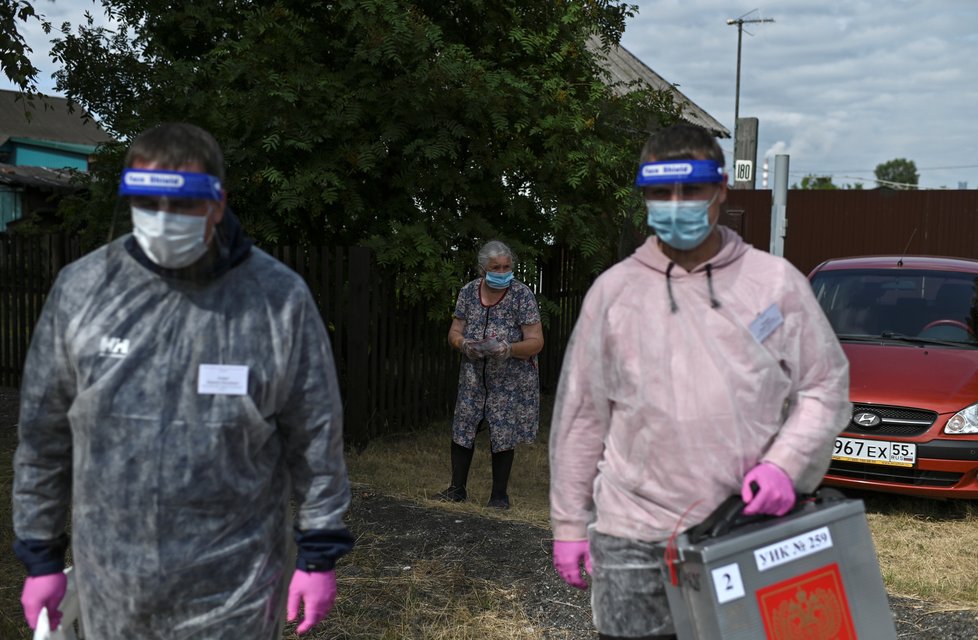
28 267
396 369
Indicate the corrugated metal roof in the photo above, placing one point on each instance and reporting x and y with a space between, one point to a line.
624 68
40 177
71 147
50 119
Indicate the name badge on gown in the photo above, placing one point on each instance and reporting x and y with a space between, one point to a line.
222 379
765 324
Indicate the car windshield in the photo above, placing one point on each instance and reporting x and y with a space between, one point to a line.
928 305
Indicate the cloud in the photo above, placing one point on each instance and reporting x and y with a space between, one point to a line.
837 86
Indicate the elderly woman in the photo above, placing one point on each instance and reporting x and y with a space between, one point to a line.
497 329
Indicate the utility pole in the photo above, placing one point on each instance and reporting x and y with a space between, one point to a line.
744 163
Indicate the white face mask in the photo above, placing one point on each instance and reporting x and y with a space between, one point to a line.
171 240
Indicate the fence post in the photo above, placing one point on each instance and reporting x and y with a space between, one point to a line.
779 221
356 406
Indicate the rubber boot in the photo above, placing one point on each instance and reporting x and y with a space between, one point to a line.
502 464
461 461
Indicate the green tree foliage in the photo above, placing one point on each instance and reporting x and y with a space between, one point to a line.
899 173
420 128
14 52
812 181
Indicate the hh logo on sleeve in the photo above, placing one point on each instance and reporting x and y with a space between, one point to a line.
112 347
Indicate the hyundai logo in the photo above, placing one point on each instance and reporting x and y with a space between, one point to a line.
866 420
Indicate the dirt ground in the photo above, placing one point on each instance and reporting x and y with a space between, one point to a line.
517 556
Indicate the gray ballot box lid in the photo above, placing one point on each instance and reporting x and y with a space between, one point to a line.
760 532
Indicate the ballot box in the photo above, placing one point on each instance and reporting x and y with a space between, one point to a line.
812 574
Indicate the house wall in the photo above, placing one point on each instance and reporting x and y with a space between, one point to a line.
30 156
10 205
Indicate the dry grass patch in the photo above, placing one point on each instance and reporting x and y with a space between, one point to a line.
926 548
427 599
416 466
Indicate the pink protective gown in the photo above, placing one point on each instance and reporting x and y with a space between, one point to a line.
673 388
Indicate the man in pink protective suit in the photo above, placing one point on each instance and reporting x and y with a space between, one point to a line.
699 367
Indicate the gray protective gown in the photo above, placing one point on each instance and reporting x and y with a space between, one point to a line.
180 522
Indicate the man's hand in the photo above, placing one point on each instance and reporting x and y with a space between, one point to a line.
568 557
775 493
316 592
44 591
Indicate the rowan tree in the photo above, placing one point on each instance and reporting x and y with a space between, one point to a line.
420 128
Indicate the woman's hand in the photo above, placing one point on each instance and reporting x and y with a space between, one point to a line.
502 351
469 351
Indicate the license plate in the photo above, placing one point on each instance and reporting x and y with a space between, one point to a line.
899 454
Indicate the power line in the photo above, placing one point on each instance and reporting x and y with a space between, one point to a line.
873 171
882 183
963 166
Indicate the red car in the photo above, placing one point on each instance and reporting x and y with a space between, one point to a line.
907 325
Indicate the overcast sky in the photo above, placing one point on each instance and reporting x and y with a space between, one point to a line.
839 87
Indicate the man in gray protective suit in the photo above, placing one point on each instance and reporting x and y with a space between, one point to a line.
178 389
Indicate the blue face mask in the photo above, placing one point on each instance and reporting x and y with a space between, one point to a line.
499 280
681 224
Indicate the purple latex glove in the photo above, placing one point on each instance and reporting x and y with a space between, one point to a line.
568 556
775 492
43 591
316 591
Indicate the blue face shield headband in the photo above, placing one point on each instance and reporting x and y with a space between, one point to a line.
170 184
678 171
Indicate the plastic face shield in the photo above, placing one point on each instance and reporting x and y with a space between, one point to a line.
171 190
679 179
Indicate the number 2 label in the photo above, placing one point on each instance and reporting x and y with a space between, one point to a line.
727 583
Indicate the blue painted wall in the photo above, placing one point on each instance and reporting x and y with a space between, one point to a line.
26 156
26 152
10 206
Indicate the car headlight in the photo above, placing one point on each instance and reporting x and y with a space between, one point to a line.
964 421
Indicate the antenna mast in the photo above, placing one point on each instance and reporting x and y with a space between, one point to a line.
740 22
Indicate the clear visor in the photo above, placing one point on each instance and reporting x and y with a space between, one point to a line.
186 206
682 191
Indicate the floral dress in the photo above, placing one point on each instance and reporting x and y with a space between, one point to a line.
504 393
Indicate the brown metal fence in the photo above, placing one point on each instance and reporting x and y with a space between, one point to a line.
832 224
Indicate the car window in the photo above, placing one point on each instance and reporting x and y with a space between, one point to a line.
932 304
